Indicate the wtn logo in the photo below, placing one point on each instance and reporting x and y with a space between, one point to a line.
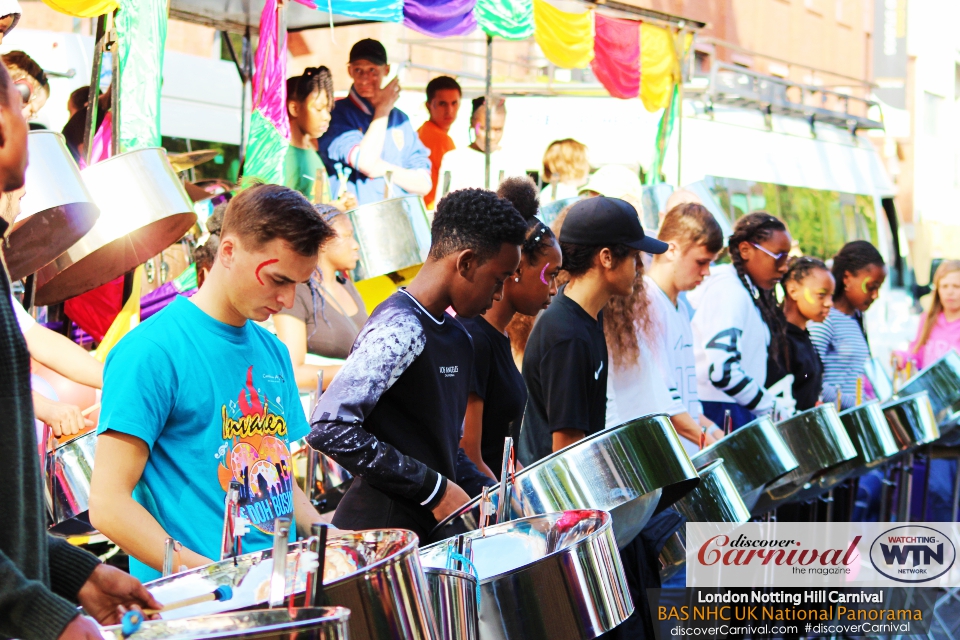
912 553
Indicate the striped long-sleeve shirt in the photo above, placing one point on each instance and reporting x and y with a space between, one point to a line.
843 348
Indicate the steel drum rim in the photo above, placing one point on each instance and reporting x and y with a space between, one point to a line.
332 614
453 573
542 463
605 525
408 546
925 370
904 400
379 203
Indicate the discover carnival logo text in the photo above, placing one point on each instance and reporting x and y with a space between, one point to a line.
809 554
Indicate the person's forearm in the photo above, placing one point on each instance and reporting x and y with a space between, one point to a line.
565 437
131 527
371 147
306 375
416 181
303 511
474 454
64 356
686 427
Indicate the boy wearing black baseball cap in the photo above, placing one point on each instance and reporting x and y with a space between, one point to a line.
369 138
565 363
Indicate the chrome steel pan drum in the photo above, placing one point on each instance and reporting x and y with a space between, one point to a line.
56 210
375 574
143 210
941 380
393 235
755 455
453 595
911 420
819 442
551 577
715 500
633 471
69 469
872 438
324 623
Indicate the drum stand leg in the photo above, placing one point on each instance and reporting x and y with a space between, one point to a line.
926 483
829 500
956 491
885 489
906 488
852 498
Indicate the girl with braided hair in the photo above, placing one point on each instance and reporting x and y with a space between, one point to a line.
737 320
808 286
499 395
841 339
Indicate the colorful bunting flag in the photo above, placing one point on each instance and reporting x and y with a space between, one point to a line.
440 18
616 59
142 34
566 39
507 19
659 68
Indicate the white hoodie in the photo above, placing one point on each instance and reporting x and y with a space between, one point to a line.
730 342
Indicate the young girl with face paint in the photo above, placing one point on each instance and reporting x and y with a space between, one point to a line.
939 329
841 339
808 286
737 322
499 395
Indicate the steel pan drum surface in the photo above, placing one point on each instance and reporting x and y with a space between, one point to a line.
323 623
393 234
68 473
551 577
453 595
56 210
818 441
941 380
715 500
912 420
143 210
755 455
386 592
633 471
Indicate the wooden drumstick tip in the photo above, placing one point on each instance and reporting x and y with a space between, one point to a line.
90 410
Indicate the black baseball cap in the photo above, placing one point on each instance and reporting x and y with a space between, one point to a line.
370 50
602 222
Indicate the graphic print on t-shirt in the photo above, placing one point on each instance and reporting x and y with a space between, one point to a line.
255 454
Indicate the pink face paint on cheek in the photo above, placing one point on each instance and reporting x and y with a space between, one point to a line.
261 266
542 272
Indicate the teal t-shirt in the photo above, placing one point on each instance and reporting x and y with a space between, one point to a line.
214 403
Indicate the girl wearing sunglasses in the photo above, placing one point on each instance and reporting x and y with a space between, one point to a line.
737 322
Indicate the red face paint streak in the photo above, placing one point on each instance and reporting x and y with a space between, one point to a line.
543 271
261 266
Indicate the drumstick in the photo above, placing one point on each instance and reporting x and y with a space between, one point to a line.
859 397
222 593
90 410
727 422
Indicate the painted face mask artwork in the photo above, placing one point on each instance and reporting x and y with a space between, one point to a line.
543 272
261 266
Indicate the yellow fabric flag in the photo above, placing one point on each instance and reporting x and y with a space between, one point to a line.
565 38
127 319
83 8
659 68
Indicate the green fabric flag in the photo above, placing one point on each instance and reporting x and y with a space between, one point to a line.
266 151
142 33
664 131
507 19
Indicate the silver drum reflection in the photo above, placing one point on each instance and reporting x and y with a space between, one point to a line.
941 380
453 595
819 441
375 574
324 623
69 469
633 471
393 234
551 577
755 455
911 420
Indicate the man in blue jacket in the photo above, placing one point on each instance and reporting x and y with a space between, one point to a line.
368 138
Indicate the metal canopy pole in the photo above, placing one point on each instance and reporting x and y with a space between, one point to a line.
488 98
90 125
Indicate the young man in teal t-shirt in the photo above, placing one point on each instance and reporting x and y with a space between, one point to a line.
197 397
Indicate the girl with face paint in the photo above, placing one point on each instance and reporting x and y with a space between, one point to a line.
808 287
841 339
495 407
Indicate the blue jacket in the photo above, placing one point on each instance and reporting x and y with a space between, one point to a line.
341 145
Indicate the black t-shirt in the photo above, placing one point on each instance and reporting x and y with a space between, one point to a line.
806 367
565 368
499 384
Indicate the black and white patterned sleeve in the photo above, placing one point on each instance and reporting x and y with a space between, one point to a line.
385 348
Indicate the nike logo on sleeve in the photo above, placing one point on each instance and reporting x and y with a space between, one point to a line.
596 374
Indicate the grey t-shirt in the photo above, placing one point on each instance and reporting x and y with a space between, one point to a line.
333 338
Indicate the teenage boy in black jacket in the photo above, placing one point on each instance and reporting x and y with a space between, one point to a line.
393 415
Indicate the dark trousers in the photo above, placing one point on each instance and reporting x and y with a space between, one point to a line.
716 410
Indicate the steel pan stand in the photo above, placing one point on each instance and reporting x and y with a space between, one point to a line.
905 489
885 490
